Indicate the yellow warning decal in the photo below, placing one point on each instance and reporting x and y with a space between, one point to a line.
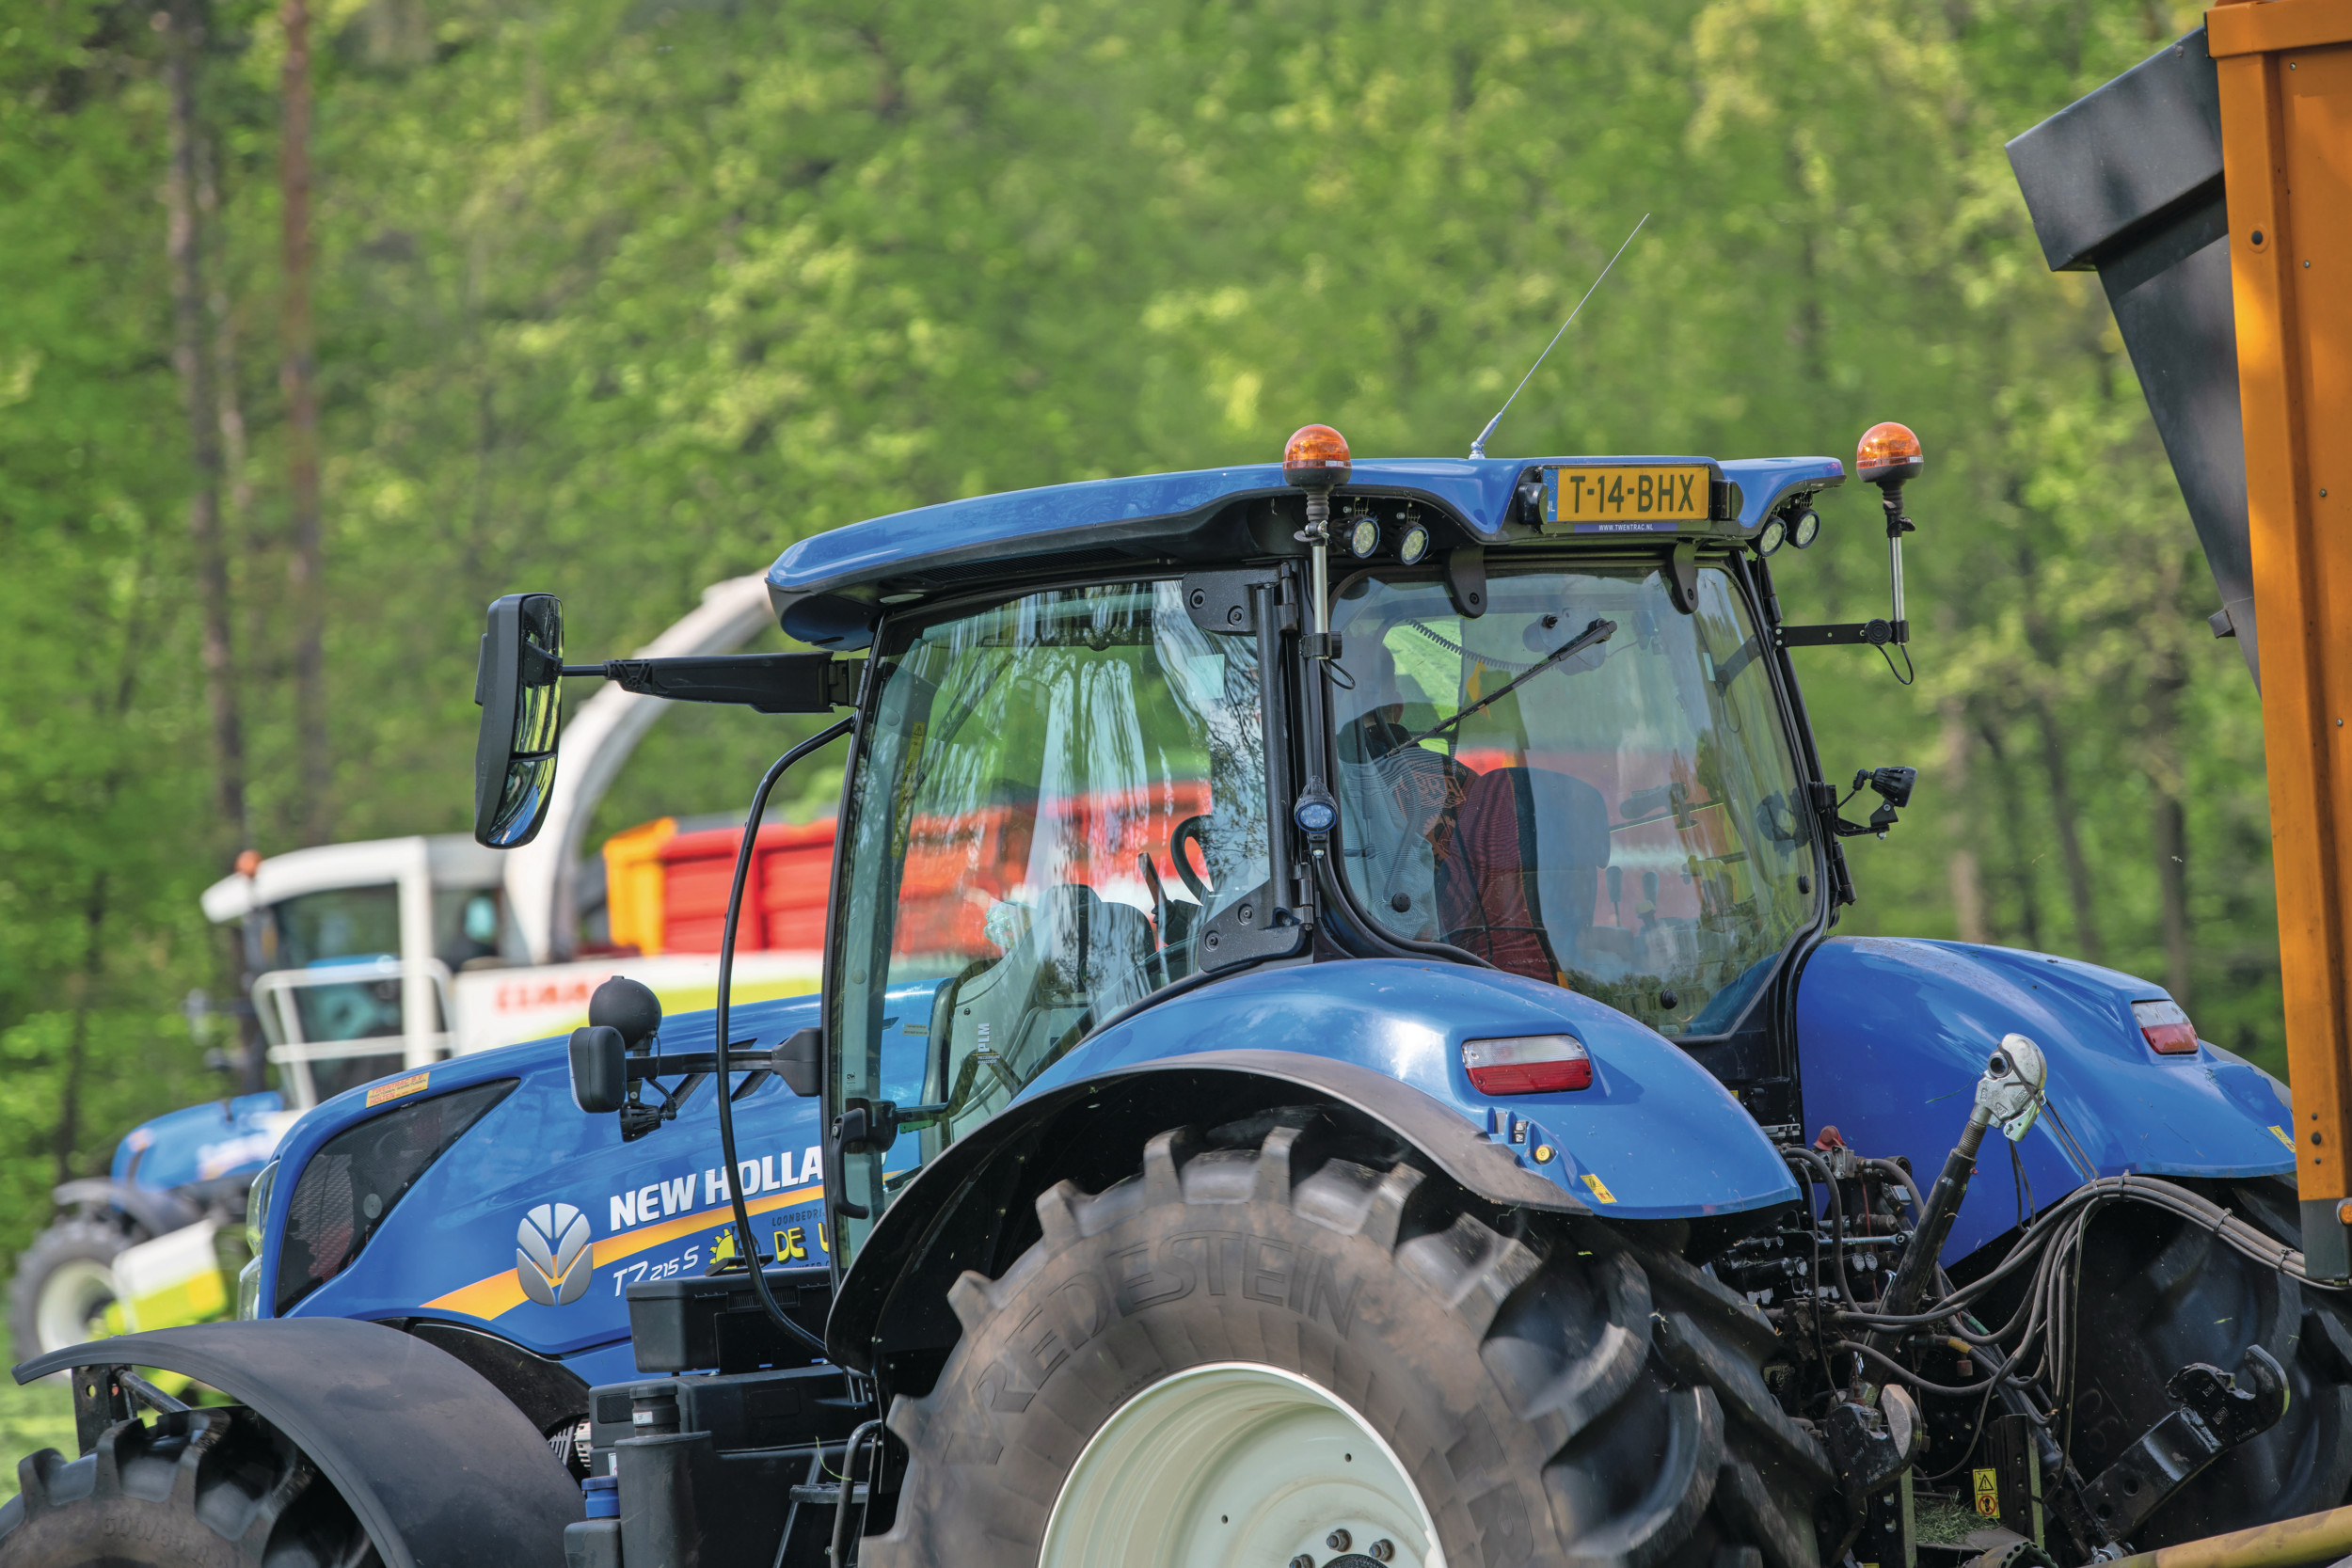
398 1088
1988 1494
1600 1188
2280 1134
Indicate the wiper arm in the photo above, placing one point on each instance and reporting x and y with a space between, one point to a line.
1600 631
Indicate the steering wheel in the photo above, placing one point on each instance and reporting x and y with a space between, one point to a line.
1191 829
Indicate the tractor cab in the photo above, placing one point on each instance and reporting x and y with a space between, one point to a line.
1531 717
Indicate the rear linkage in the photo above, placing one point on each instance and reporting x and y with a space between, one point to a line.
1860 1301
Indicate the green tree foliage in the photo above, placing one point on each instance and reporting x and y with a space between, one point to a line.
620 297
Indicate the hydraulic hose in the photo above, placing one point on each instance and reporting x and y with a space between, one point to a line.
1917 1271
745 1246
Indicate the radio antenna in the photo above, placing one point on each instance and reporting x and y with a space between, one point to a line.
1478 448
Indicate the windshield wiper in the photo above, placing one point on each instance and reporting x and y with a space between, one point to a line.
1600 631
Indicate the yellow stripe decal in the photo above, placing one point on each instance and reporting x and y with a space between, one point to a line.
504 1291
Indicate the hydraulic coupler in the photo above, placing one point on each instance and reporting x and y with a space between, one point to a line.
2211 1412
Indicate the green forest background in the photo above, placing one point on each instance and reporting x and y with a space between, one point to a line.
619 297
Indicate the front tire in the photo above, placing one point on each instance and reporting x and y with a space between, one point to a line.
63 1285
1260 1353
215 1488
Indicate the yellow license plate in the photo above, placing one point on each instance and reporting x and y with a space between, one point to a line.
1626 497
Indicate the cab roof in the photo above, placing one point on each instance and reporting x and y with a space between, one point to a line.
828 589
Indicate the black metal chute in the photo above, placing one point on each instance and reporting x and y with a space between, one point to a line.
2126 181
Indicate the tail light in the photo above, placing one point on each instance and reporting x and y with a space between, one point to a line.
2167 1028
1527 1064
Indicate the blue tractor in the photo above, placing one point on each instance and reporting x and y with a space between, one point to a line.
1333 1050
179 1180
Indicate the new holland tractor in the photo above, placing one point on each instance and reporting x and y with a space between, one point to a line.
1333 1050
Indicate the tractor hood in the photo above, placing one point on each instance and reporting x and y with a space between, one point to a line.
1891 1035
202 1143
1654 1137
453 1244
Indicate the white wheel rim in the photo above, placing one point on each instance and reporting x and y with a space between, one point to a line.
1236 1464
71 1300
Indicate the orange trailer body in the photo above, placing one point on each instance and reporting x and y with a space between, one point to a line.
2285 72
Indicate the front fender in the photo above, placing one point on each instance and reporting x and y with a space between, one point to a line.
157 1212
439 1467
1893 1034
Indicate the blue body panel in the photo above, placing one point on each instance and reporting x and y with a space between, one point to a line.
1891 1035
1662 1139
198 1143
656 1207
1058 517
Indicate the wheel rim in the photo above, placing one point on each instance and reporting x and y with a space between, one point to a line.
72 1303
1237 1464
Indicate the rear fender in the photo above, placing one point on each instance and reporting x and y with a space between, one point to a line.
438 1467
1893 1034
970 1207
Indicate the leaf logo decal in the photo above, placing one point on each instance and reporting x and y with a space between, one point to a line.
552 1255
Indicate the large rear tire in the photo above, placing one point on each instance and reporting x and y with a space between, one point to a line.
213 1488
64 1283
1260 1353
2158 1293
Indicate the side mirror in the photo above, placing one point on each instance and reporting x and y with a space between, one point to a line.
517 686
799 1061
599 1069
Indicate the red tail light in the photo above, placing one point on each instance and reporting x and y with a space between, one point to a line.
1527 1064
2167 1028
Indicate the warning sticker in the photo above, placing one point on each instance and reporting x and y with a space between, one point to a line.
397 1087
1988 1494
1600 1188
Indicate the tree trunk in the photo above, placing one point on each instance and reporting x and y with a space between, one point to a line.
2014 822
306 567
2167 771
83 986
2173 878
226 386
2063 816
1967 889
183 35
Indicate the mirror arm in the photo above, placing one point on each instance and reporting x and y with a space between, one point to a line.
679 1064
767 683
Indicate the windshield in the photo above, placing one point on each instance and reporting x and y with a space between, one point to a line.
1625 820
1055 795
